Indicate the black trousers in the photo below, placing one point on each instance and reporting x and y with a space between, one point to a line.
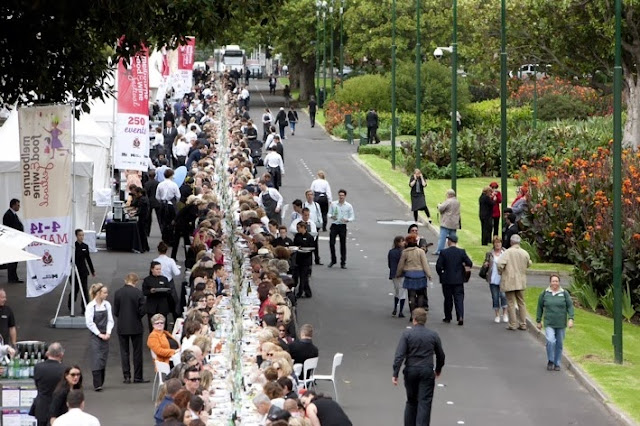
136 344
316 252
486 225
339 230
303 272
142 232
453 295
312 118
372 134
418 299
98 378
323 202
419 384
73 296
184 235
425 210
496 226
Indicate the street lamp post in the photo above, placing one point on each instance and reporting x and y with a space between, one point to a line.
454 99
331 45
317 73
503 105
341 40
617 188
324 51
418 86
393 84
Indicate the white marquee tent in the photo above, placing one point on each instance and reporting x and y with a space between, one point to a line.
11 179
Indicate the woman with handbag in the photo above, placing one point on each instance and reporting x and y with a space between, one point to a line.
489 271
414 267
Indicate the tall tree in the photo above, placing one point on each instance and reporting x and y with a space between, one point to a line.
53 50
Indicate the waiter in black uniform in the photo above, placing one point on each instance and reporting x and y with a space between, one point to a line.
128 307
84 265
305 243
157 290
416 349
12 220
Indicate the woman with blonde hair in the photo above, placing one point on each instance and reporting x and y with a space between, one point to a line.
99 320
284 314
322 195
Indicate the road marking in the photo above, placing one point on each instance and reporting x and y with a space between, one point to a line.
449 402
365 257
323 238
397 222
460 422
472 367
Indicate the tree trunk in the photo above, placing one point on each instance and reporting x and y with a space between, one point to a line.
631 135
307 80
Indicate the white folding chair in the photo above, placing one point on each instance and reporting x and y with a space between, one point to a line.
161 368
337 360
297 369
308 372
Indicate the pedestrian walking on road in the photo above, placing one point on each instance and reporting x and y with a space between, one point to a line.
341 214
513 265
556 307
414 268
292 115
418 183
99 320
271 201
451 266
486 214
322 195
498 297
281 121
372 126
157 289
128 307
449 218
313 108
416 350
393 258
267 118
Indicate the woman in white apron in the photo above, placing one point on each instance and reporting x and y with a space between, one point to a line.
99 319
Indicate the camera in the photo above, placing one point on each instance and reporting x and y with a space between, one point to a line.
438 53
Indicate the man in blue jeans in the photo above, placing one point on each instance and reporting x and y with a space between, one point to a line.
449 218
416 349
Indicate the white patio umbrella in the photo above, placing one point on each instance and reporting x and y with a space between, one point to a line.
9 254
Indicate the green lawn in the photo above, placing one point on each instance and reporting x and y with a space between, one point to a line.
589 344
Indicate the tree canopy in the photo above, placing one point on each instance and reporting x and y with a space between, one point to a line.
53 50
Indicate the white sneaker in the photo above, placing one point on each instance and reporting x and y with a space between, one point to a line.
505 318
497 319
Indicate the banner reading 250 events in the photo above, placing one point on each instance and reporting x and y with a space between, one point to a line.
45 163
132 127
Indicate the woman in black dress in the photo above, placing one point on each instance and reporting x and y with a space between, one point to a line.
418 183
72 379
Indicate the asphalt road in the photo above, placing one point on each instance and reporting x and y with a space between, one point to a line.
491 376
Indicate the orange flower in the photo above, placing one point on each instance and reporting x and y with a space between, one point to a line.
636 237
555 205
567 230
552 234
567 195
587 236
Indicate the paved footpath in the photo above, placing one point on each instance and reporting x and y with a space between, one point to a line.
492 376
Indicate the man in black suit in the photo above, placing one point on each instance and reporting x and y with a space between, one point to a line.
303 348
128 307
451 270
372 126
47 375
85 266
170 133
12 220
150 188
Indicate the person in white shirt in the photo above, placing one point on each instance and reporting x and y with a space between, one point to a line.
315 216
191 135
168 190
169 267
245 96
267 118
271 201
275 166
341 213
322 195
272 134
180 150
99 320
76 415
182 128
158 143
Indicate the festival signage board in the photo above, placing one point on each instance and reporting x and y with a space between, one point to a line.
131 150
46 135
183 80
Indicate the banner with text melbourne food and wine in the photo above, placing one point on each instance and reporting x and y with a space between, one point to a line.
45 162
132 122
